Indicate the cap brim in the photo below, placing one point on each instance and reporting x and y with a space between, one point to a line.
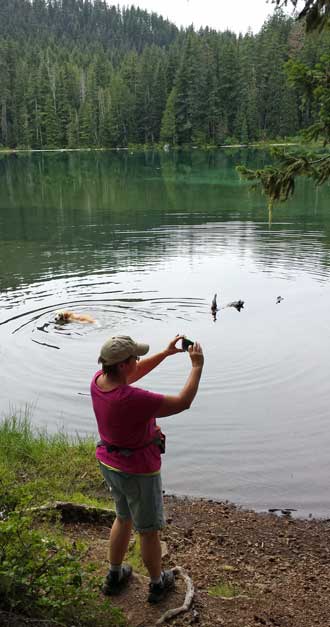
142 349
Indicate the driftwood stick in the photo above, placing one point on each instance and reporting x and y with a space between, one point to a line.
236 596
190 591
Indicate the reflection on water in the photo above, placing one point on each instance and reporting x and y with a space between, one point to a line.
142 242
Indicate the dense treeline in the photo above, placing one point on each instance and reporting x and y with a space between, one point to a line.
77 73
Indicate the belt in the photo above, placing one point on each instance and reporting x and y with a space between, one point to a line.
159 440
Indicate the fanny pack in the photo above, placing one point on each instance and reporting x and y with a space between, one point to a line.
159 440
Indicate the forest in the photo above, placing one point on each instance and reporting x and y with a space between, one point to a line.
83 73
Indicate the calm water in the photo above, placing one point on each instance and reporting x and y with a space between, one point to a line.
142 242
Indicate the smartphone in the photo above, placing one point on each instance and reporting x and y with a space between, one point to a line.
186 343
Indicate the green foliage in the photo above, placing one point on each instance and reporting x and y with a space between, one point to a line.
42 576
312 85
278 183
86 74
315 12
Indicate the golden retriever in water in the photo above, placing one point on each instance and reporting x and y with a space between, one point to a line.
63 315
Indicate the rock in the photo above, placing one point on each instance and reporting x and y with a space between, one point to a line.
164 548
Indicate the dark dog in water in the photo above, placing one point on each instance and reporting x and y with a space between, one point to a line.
238 304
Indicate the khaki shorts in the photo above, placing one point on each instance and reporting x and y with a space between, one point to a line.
137 497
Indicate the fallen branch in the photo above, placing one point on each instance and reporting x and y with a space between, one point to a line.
233 598
190 591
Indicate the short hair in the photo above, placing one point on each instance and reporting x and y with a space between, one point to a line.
113 370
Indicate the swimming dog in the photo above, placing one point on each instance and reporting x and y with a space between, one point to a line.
63 315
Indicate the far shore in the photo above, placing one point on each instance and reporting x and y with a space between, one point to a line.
158 148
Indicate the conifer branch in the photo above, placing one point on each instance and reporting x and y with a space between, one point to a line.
316 13
278 182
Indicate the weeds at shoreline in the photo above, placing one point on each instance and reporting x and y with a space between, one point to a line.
42 574
36 466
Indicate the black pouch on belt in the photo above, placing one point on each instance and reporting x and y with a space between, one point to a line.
162 444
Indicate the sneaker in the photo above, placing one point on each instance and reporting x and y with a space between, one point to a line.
158 591
113 584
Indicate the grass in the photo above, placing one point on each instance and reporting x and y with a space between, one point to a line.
134 557
224 589
41 467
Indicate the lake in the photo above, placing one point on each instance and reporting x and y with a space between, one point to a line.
142 241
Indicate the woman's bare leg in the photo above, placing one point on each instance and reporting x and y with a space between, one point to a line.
120 535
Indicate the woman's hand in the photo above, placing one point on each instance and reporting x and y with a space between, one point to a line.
196 355
172 349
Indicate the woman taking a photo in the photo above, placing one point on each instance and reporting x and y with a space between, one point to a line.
129 452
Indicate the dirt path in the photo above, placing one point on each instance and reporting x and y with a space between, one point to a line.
277 568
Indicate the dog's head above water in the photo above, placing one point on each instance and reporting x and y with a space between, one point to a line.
61 315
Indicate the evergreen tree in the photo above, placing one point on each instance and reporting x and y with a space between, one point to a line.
190 92
168 129
83 73
118 113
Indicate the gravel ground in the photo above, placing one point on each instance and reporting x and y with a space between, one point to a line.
248 569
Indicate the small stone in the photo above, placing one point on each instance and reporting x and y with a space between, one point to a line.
195 617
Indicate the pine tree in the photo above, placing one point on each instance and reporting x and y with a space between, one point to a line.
51 123
118 113
228 79
4 94
168 129
189 93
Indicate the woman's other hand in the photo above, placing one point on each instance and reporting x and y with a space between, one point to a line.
196 355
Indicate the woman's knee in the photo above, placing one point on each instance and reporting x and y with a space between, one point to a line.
124 522
149 536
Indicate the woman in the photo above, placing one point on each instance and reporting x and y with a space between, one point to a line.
129 452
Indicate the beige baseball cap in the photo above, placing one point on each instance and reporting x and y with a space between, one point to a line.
119 348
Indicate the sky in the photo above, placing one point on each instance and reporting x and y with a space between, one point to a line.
236 15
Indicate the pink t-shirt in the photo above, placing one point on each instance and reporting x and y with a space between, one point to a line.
126 418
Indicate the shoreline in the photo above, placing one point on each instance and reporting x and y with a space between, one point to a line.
65 453
156 148
281 513
248 569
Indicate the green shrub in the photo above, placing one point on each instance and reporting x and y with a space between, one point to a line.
42 576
